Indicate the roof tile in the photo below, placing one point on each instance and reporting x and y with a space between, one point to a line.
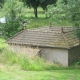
46 37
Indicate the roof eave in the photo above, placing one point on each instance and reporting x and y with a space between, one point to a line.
36 45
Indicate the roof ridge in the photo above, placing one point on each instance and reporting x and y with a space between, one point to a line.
65 39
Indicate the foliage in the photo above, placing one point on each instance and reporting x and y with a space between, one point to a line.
1 3
69 11
36 3
45 3
14 17
2 43
77 62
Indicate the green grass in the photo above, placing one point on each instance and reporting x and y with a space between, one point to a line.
13 67
41 22
25 63
30 12
2 43
40 15
40 75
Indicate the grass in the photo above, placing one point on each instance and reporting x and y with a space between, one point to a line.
13 67
40 75
41 22
14 72
25 63
30 12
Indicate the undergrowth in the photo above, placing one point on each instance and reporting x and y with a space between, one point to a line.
38 64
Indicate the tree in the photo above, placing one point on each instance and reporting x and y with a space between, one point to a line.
1 3
36 3
32 3
45 3
69 11
14 17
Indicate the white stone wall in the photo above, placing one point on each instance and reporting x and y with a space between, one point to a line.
55 55
27 51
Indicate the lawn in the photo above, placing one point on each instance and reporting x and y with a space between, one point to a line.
29 12
41 22
2 43
40 75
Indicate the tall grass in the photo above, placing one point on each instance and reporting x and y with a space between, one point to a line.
37 63
25 63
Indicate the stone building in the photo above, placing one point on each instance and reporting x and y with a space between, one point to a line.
56 44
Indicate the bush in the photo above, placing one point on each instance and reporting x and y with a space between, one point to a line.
14 17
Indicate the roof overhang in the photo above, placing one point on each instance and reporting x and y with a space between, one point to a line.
35 45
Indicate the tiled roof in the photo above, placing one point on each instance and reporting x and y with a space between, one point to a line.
46 37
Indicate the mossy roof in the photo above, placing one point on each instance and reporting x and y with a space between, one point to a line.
49 36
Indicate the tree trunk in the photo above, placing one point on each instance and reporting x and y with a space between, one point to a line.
35 12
